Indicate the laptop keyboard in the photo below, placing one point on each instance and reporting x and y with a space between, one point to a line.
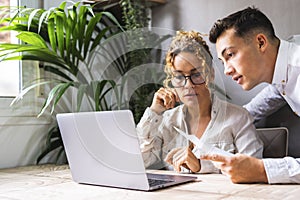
155 182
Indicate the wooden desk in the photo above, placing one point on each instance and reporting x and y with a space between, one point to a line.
55 182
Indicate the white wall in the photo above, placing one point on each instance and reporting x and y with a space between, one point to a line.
22 134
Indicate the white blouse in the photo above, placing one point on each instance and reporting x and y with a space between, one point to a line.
230 128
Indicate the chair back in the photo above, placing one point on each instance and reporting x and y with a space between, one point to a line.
275 141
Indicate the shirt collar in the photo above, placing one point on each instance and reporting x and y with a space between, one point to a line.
280 71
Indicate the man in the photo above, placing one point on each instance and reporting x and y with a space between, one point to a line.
251 53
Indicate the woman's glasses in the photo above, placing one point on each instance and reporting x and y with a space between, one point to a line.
180 80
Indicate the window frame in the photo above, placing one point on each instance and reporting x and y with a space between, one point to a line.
30 105
11 88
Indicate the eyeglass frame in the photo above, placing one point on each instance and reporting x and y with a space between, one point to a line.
186 78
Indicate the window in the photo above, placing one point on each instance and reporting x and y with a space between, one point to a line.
9 70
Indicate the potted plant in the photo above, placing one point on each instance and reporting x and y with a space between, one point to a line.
70 43
63 39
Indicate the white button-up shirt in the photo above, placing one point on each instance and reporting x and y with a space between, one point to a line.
230 128
287 74
287 80
285 88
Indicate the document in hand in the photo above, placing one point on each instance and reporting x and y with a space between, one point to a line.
204 148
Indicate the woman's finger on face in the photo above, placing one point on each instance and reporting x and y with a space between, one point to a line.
175 95
157 95
169 99
162 97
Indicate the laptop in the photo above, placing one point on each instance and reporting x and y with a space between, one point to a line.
103 149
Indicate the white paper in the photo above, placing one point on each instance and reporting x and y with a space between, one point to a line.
204 148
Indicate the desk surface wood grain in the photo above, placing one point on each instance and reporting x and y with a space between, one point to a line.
55 182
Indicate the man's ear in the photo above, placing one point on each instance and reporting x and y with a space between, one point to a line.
261 41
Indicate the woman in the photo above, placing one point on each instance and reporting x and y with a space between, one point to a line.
189 80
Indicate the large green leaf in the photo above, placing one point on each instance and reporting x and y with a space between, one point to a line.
60 92
51 33
81 26
99 92
27 89
42 20
57 71
14 27
32 38
69 25
54 96
62 5
98 38
37 54
60 35
89 32
31 17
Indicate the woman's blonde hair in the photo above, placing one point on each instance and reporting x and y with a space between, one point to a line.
191 42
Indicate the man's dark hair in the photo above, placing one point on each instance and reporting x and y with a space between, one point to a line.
243 22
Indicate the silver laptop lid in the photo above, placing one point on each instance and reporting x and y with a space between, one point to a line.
103 149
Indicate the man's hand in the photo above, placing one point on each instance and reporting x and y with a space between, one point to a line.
240 168
183 157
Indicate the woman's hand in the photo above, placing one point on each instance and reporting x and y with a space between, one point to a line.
183 157
164 99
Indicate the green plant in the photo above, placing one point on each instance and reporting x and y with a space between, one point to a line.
64 40
67 41
144 48
135 13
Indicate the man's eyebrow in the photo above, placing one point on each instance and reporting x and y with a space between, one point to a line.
223 52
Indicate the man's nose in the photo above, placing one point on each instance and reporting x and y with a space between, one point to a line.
228 69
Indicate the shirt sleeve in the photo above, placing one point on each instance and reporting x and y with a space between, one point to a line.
150 139
246 138
266 102
283 170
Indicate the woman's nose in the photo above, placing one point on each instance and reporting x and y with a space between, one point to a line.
188 83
